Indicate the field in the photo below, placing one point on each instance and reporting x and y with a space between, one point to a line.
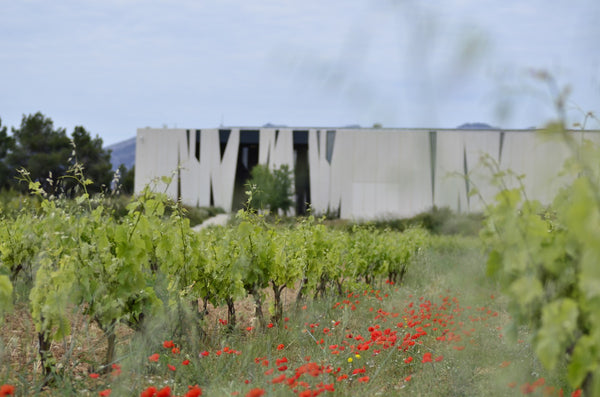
443 330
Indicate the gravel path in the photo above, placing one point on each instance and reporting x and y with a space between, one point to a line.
220 219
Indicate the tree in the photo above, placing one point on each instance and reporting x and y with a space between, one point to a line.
6 145
48 154
40 149
273 189
283 190
95 160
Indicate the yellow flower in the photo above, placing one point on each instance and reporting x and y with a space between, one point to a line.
349 359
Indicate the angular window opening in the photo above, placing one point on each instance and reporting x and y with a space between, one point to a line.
247 159
187 138
245 156
466 173
319 143
197 148
301 172
223 139
330 142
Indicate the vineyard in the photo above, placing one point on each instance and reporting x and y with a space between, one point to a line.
93 303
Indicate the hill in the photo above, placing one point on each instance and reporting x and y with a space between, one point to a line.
123 153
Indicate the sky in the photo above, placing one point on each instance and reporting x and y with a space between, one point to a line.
114 66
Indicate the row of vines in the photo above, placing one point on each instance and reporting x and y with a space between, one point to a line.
547 258
62 256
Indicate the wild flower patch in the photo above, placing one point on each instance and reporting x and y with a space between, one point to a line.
365 343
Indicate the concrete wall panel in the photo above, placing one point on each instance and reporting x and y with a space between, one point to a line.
450 186
367 173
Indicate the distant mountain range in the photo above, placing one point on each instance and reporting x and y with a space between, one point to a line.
124 152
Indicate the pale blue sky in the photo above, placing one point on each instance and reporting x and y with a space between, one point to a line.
115 66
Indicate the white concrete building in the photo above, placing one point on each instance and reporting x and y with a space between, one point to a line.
360 173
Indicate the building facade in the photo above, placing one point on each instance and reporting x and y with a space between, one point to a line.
358 173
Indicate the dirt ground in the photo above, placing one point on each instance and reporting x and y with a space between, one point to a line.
84 349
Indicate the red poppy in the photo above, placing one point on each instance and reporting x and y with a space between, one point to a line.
194 391
164 392
280 361
149 392
105 393
93 376
185 362
154 357
426 358
278 379
168 344
116 369
256 392
527 388
7 390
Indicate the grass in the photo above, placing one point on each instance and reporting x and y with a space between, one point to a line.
458 344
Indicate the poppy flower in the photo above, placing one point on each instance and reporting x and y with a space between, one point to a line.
7 390
154 357
256 392
149 392
280 361
105 393
164 392
168 344
278 379
426 358
94 375
194 391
